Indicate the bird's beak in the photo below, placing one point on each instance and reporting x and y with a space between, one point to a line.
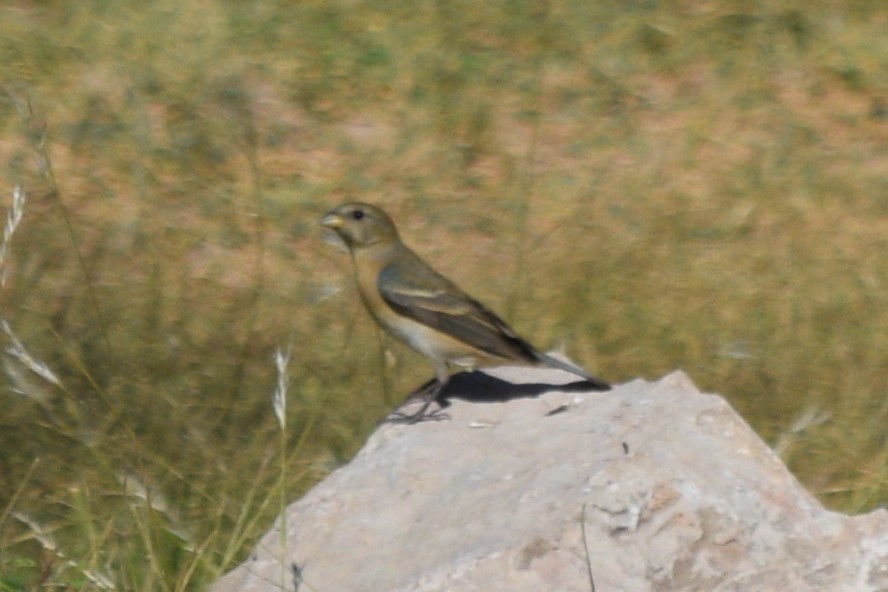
333 221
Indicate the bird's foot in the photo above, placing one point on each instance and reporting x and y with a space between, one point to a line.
399 417
428 394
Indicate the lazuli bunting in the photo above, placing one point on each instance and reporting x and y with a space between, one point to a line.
413 302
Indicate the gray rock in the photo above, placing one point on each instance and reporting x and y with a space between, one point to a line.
672 488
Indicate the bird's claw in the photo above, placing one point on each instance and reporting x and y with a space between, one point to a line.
399 417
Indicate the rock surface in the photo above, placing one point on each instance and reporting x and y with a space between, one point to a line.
654 486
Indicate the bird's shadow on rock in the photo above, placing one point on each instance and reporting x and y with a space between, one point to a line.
480 387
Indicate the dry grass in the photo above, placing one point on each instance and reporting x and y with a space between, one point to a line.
653 187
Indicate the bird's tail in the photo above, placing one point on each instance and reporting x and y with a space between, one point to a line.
553 362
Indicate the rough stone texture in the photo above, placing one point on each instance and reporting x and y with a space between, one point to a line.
673 488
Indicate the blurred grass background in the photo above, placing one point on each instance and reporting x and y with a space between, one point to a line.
652 185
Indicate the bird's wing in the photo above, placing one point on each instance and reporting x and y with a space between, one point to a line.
413 289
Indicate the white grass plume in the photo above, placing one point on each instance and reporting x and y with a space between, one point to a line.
18 351
282 362
44 536
13 218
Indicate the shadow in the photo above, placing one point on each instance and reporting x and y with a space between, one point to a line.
479 387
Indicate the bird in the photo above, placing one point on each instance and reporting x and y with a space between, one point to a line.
427 311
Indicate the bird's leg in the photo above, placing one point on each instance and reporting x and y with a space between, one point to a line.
421 392
428 394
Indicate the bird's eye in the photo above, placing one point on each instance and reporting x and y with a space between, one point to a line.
358 214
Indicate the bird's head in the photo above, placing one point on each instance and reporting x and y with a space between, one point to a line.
361 225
